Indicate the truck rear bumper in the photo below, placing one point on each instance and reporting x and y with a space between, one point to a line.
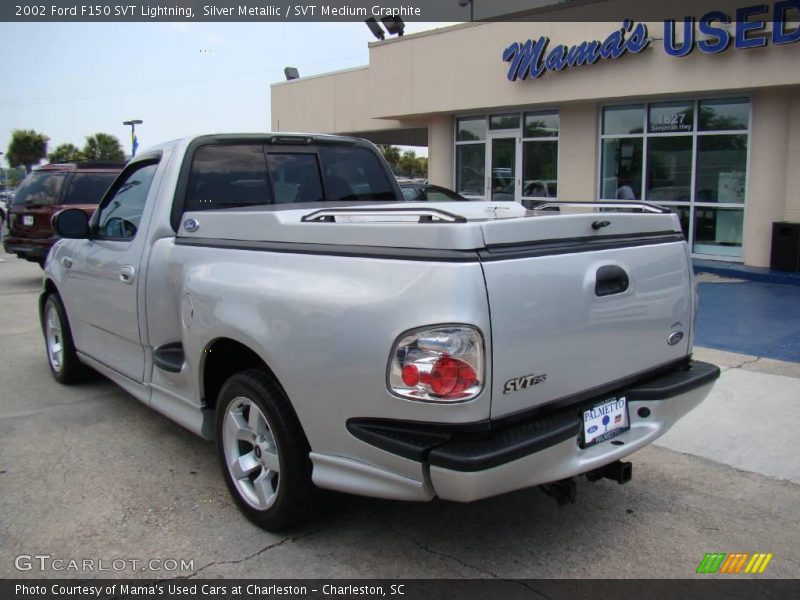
34 250
540 449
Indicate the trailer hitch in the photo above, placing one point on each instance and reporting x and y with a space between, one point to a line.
563 491
618 471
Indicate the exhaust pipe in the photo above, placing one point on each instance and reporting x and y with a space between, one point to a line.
618 471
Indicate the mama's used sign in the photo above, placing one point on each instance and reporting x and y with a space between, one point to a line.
534 57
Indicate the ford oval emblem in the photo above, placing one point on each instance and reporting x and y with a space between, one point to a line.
191 225
674 337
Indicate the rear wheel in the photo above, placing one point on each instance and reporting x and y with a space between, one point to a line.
263 452
61 355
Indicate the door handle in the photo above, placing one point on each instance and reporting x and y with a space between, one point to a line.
610 280
66 262
127 274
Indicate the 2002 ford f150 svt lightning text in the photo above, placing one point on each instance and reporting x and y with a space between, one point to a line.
274 293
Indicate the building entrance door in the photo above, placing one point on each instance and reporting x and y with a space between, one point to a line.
502 180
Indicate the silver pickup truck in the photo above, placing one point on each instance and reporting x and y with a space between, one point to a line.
272 292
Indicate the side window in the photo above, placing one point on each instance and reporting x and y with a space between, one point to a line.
121 214
228 176
295 177
88 188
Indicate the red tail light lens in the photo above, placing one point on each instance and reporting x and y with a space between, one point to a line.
438 364
450 377
410 375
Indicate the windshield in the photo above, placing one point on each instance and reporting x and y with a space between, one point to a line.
88 188
40 188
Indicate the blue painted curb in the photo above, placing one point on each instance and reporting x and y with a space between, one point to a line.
757 274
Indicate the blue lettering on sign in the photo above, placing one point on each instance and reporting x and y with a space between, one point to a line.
722 37
779 20
531 59
688 37
743 25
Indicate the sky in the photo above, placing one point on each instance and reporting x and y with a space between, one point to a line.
71 80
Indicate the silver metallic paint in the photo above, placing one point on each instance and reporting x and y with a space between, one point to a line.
325 324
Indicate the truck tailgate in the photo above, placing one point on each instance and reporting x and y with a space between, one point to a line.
577 313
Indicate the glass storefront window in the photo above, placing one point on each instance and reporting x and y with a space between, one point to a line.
671 117
718 231
540 169
622 169
471 169
623 120
510 121
724 115
471 129
669 168
541 124
694 163
721 168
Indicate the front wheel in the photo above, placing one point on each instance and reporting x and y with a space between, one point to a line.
61 355
263 451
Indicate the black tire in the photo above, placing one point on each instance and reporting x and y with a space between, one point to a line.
66 368
293 493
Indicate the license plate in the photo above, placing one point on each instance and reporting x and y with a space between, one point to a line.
27 220
605 420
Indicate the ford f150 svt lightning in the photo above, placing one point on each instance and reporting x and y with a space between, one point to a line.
275 293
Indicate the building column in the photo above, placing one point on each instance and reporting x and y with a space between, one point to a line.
440 150
766 188
577 152
792 211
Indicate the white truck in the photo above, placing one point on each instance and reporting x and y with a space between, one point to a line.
274 293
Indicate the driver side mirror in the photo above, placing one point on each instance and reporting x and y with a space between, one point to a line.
71 223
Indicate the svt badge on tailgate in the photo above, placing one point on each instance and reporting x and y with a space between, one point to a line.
520 383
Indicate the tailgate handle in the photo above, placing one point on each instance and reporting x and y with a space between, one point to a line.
610 280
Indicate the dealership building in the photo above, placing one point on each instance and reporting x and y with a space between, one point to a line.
702 116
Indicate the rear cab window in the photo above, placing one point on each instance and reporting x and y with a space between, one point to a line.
228 176
354 173
40 189
234 175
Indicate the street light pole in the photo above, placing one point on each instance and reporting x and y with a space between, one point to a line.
134 142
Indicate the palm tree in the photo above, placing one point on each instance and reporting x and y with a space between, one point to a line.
391 154
27 148
103 146
65 153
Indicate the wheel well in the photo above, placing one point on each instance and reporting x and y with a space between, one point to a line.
225 357
49 288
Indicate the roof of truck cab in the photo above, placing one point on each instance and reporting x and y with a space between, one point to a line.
267 137
274 137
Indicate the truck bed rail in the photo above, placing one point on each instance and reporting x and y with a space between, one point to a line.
382 215
630 205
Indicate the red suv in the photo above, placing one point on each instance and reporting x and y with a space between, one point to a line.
45 192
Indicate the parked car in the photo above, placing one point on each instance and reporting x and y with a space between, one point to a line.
4 202
45 192
327 333
424 192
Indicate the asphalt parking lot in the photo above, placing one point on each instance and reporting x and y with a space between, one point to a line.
87 472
